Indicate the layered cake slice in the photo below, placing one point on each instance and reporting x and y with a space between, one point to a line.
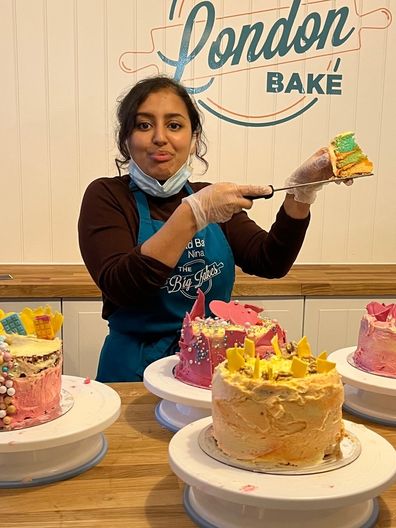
347 158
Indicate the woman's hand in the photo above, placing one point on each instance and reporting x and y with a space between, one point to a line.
316 168
218 202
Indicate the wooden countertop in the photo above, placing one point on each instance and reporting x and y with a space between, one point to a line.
133 485
73 281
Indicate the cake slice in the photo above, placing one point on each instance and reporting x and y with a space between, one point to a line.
347 158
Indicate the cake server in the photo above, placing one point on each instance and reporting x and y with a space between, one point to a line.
331 180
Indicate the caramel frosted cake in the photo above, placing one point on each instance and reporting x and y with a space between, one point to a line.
376 348
286 409
30 368
204 340
347 158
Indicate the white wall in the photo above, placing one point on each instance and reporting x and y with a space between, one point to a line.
61 77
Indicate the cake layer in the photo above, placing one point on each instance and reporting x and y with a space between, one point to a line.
37 397
347 158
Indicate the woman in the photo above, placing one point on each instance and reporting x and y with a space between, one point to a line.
150 238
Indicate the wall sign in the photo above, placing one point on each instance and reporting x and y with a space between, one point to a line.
272 43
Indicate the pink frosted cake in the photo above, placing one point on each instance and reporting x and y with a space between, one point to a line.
376 350
204 340
30 370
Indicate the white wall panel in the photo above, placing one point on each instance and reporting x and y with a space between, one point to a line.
62 77
64 138
32 91
10 172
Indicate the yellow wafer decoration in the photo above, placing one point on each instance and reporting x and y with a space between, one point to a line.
275 346
256 371
303 348
250 347
322 365
235 359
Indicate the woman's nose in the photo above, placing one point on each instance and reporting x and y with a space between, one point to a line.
159 136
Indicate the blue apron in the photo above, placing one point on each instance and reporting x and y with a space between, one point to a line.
145 333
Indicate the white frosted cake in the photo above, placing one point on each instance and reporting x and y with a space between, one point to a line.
286 409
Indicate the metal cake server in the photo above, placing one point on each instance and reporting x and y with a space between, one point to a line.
331 180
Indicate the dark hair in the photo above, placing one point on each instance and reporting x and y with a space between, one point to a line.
128 106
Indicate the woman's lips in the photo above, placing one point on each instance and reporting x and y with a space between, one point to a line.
161 156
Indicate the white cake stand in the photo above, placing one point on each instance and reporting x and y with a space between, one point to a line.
182 403
220 496
65 446
366 395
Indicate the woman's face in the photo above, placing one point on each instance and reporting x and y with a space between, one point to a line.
162 138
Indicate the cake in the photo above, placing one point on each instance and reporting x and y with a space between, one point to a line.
286 409
204 340
30 368
376 347
347 158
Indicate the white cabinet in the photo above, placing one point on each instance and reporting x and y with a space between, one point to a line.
84 331
288 311
333 323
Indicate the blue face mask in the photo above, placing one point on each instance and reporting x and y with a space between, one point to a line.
153 187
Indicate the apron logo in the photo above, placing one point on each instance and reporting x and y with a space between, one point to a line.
202 47
187 281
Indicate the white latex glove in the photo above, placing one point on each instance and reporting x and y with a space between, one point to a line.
218 202
315 168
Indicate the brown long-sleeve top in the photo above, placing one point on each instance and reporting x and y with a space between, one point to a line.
108 230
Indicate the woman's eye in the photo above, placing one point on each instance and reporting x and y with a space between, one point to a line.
174 126
144 125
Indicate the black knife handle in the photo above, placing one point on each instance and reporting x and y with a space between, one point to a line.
265 196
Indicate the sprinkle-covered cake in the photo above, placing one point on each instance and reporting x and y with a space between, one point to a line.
286 409
30 367
347 158
204 340
376 348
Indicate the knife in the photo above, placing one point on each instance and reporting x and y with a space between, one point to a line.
331 180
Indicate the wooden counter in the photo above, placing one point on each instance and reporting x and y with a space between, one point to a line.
133 485
73 281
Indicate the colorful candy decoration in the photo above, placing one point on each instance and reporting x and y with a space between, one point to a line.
12 324
294 361
40 321
7 391
43 327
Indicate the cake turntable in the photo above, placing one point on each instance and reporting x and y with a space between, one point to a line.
181 403
66 446
218 495
367 395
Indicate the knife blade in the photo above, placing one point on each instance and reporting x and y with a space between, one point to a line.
331 180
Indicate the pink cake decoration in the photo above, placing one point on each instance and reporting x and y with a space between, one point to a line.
204 340
382 312
240 314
